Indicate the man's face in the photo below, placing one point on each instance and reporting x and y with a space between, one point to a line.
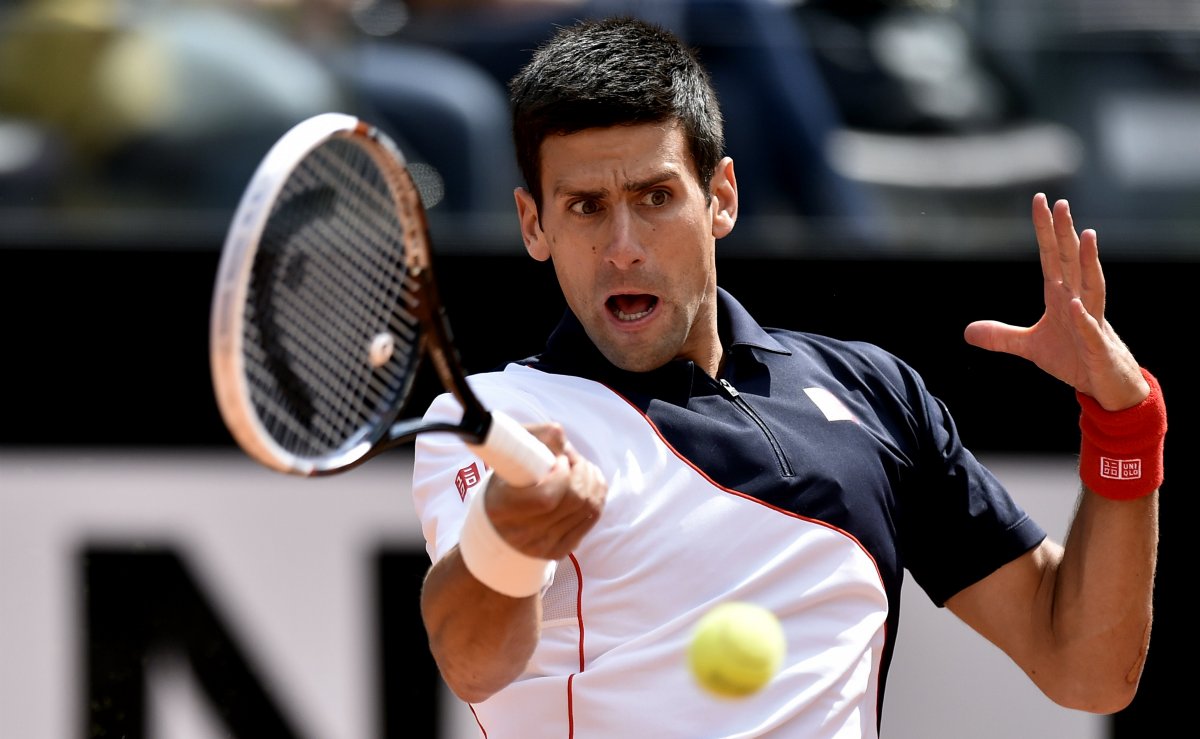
633 240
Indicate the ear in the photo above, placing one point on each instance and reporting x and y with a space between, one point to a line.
531 227
724 199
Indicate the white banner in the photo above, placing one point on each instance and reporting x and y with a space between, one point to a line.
279 587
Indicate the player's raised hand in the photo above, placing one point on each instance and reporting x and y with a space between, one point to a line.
1072 340
548 519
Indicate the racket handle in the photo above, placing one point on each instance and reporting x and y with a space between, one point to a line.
513 453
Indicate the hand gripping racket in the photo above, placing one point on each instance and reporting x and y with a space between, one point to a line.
324 306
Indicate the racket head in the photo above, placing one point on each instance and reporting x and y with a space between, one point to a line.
314 339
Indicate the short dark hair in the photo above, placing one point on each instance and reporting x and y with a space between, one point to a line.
607 72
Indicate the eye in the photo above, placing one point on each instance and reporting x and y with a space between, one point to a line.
585 207
656 198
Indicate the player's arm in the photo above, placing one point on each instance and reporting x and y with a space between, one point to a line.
1077 617
481 638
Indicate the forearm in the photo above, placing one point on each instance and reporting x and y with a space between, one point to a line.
480 639
483 635
1102 603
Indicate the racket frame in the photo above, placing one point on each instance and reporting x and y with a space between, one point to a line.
229 304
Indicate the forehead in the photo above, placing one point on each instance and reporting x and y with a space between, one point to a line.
617 153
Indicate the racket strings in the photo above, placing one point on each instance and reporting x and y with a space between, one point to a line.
355 391
301 323
368 206
351 363
329 280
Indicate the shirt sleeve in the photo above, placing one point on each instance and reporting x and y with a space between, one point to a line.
959 523
446 473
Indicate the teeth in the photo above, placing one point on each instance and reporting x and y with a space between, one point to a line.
623 316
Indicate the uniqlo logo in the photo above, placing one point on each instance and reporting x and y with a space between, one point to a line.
1120 469
467 478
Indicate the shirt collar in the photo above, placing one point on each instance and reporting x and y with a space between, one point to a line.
739 328
569 349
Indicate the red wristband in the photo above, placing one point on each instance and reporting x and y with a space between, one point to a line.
1122 452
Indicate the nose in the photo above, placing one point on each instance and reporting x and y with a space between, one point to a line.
624 246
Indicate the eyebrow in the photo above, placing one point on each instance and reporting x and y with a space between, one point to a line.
646 182
652 179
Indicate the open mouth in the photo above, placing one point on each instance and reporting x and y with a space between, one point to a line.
631 307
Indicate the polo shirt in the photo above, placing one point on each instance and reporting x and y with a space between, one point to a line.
808 478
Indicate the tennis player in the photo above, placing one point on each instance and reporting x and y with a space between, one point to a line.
702 457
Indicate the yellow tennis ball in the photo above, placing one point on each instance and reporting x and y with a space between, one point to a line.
736 649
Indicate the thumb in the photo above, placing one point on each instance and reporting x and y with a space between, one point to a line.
551 434
993 336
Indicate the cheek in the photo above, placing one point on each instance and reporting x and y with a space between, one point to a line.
573 286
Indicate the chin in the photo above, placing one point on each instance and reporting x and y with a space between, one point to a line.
633 361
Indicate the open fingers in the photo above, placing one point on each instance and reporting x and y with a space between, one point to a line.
1091 286
1043 228
1067 245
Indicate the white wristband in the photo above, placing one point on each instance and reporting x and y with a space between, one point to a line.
493 561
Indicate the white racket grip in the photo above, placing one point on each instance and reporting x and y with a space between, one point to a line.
513 453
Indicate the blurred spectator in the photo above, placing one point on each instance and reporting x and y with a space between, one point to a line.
448 116
780 112
176 101
155 100
908 66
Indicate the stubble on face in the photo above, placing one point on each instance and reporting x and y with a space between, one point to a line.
630 233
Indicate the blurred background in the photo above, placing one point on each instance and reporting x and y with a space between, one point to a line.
154 583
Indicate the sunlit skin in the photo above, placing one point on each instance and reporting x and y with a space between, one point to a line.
632 237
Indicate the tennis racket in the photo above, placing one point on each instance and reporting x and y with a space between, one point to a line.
325 306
